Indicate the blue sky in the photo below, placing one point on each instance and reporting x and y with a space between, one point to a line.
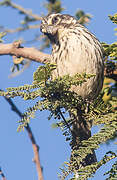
16 151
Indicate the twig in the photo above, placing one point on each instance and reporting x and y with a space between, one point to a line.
31 136
21 9
19 29
2 174
65 121
19 51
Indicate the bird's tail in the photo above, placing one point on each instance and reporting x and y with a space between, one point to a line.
81 130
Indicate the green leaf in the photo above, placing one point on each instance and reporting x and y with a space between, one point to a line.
43 73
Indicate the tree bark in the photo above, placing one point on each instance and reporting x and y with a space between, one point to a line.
19 51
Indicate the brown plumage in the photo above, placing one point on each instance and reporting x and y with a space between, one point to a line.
75 50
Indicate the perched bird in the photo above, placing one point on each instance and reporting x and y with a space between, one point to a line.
75 50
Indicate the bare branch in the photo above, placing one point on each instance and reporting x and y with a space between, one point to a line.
2 174
19 51
21 9
36 153
32 138
19 29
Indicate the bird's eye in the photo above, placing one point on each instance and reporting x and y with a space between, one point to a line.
54 20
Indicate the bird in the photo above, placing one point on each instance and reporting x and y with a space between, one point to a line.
75 50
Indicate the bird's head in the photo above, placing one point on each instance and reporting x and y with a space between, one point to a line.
54 24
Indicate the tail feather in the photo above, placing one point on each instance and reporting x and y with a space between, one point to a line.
81 130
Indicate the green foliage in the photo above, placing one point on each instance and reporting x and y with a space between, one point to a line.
112 172
110 50
54 6
82 17
43 73
88 171
55 95
110 56
113 18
